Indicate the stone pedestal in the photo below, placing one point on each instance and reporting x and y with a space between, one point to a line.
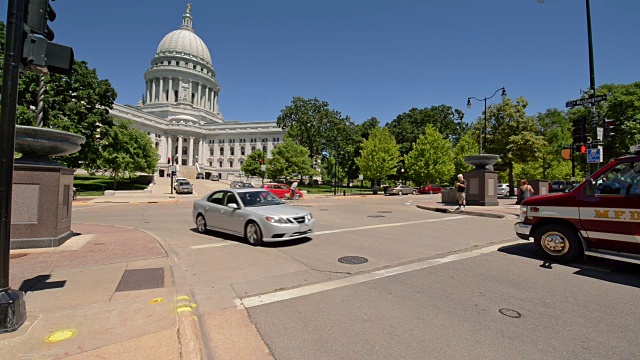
481 187
41 206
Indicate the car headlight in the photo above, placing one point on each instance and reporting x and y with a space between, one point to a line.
309 217
276 220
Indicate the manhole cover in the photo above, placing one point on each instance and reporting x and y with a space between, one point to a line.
510 313
353 260
385 212
376 216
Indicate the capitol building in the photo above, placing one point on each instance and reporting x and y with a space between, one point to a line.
180 111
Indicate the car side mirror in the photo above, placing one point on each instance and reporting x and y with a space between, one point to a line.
590 188
233 206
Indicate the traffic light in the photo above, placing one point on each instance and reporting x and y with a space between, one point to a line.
581 149
39 54
580 131
608 129
169 160
261 161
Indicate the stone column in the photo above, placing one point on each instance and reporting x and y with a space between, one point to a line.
200 146
180 150
171 98
148 92
153 90
190 158
161 95
190 91
215 102
169 148
199 95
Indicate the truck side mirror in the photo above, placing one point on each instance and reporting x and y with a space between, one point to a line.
590 188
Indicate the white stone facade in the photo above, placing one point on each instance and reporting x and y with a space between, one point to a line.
181 113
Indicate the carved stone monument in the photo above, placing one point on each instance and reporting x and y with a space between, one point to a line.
482 181
42 188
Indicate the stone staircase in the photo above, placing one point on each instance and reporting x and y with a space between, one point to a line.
188 172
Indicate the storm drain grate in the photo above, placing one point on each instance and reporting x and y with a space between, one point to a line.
353 260
141 279
376 216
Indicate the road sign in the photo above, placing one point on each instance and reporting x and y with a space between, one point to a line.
360 177
173 168
585 101
600 133
594 156
263 167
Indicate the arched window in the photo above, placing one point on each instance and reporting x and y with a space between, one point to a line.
210 152
185 150
220 164
221 151
231 151
253 148
230 163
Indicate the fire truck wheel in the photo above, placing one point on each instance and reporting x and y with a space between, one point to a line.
558 242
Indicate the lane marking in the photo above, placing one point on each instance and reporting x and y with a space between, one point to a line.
211 245
388 225
82 207
334 284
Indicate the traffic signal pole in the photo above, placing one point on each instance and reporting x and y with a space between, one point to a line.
13 312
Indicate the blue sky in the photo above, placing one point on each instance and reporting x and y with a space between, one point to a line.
366 58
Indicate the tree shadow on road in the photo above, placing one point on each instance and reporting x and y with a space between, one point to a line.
617 272
241 240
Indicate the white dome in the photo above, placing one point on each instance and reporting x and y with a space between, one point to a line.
184 42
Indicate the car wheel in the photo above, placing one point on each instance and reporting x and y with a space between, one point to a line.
400 193
431 192
201 224
558 242
414 192
253 234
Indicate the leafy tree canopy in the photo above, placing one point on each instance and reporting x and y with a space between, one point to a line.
289 159
407 127
252 165
379 156
432 159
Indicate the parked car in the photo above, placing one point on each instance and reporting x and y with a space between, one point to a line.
281 190
559 185
430 189
175 181
214 178
255 214
401 190
199 176
184 187
502 190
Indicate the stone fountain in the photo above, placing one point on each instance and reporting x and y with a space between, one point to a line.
42 188
482 181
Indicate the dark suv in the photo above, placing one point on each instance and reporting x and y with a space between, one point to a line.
559 185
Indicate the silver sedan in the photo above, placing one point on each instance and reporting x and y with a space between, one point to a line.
255 214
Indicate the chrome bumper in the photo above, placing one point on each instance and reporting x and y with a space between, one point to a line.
523 230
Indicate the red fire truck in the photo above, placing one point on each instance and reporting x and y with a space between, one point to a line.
600 217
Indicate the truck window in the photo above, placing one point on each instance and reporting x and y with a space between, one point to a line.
621 180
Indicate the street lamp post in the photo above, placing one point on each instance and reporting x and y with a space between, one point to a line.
484 129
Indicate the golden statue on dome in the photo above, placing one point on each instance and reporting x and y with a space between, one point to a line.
189 8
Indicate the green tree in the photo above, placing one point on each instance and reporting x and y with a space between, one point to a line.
126 150
432 159
289 159
252 165
468 145
379 155
512 134
307 122
407 127
623 107
555 127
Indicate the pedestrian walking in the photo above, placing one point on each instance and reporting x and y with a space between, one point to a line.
525 190
461 187
294 187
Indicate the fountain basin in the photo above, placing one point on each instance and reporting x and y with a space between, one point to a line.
37 144
483 161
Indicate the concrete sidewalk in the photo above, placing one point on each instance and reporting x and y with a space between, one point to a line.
107 293
506 208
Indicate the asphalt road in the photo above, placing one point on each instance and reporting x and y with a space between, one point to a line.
433 286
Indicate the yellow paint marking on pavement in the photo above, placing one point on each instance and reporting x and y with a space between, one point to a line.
183 297
184 308
156 301
60 335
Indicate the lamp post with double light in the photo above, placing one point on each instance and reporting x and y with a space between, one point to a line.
484 128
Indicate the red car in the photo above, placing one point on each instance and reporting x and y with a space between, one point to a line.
430 189
281 190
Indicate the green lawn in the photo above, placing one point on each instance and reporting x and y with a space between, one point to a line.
96 185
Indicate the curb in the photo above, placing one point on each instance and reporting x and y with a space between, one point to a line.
463 212
189 333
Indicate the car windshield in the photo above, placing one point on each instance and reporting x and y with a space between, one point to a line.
258 198
183 183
